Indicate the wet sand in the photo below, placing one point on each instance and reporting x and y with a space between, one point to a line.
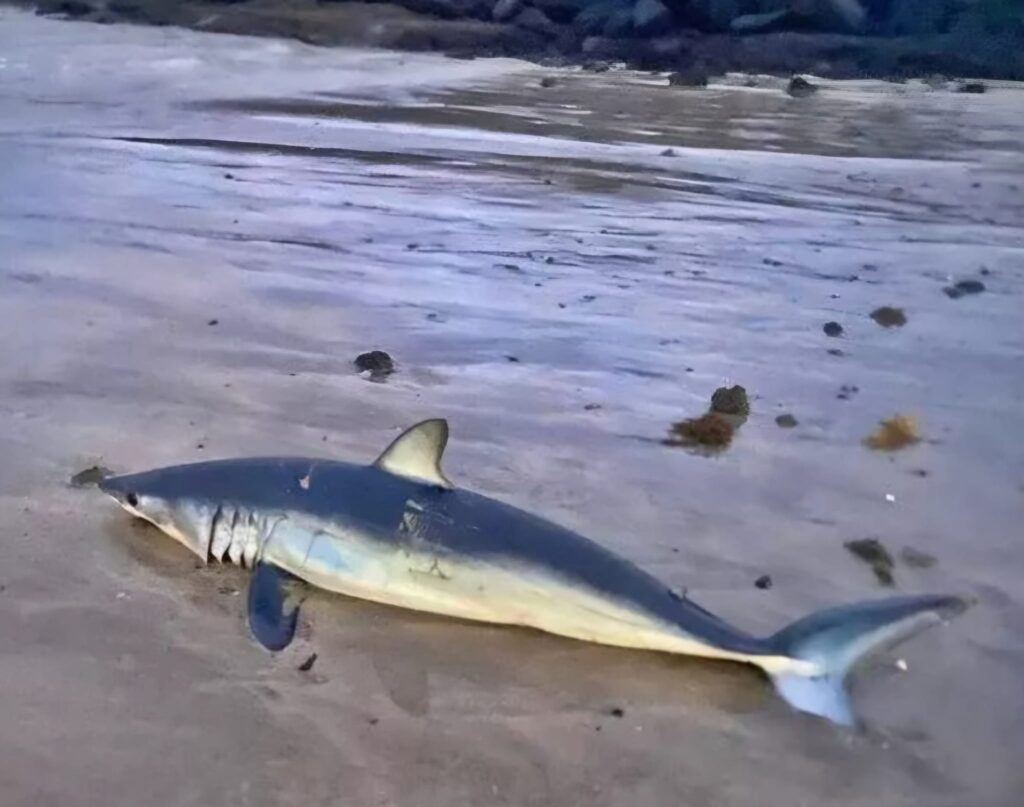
319 204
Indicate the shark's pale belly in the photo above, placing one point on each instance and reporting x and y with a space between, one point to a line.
428 578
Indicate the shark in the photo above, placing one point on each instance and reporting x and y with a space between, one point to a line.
398 532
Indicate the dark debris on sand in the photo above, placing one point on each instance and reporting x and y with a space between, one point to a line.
714 430
378 363
832 329
710 430
889 317
873 553
90 477
962 288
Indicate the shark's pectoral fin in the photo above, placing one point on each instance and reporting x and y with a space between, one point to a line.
416 453
274 600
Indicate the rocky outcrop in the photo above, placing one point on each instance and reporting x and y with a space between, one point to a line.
976 38
651 18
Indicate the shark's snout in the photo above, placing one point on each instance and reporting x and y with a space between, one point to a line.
117 488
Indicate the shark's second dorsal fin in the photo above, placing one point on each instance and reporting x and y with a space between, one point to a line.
416 453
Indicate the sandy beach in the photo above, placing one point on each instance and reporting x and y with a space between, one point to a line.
199 233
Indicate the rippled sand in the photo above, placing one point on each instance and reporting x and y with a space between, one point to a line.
320 203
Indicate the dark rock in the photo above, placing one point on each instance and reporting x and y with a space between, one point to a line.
871 551
894 433
668 153
764 582
918 17
692 77
619 23
609 48
307 665
889 317
592 19
513 359
533 19
651 17
730 401
847 391
451 9
917 559
377 362
834 351
547 83
964 287
713 14
68 8
617 712
560 11
832 329
213 322
505 10
786 421
92 475
755 23
800 87
590 407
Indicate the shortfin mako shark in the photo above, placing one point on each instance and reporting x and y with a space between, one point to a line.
398 532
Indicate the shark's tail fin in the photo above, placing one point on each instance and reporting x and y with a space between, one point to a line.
834 641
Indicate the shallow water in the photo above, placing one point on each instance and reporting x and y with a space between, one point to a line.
320 203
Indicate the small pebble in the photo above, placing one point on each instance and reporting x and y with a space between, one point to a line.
307 665
832 329
764 582
786 421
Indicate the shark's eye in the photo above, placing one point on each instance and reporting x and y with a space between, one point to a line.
132 500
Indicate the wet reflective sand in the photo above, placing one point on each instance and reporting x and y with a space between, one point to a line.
320 203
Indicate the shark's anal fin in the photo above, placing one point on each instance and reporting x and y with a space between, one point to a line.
274 599
416 453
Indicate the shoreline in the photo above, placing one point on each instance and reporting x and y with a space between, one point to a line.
467 29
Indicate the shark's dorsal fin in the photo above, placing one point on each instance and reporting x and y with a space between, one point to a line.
416 453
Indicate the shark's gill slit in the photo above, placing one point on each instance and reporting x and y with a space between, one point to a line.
218 514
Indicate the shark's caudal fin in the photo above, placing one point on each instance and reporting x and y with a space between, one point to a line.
836 640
